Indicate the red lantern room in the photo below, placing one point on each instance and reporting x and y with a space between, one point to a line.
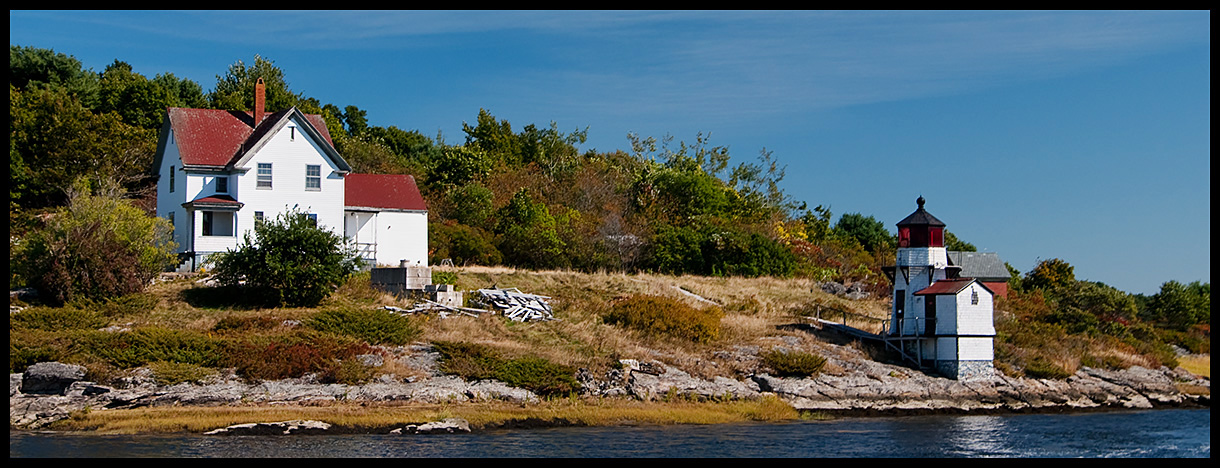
921 229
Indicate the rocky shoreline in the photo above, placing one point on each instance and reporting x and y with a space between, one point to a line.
48 392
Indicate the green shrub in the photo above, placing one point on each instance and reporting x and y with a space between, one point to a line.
290 260
371 325
136 348
171 373
444 277
665 316
787 363
127 305
478 362
97 248
56 319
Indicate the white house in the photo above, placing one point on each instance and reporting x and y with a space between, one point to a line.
221 171
942 319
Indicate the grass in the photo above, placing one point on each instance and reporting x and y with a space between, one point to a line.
482 415
1198 364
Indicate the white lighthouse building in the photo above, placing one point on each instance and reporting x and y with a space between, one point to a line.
938 319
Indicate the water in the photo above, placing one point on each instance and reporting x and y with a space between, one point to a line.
1131 434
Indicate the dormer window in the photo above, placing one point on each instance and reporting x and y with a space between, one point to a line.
222 185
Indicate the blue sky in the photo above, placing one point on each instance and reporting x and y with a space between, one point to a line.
1076 135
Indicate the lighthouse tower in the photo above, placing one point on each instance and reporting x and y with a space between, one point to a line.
939 320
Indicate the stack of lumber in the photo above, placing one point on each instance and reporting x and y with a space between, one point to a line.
514 304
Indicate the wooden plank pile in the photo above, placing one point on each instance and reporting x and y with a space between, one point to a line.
514 304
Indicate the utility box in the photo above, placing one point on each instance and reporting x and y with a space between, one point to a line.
398 280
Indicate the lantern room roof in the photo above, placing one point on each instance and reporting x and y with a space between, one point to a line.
920 217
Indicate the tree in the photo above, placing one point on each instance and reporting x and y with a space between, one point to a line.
235 89
528 235
31 67
871 233
137 100
1181 306
98 247
1051 275
288 261
54 140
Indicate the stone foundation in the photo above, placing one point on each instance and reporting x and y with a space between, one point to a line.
966 370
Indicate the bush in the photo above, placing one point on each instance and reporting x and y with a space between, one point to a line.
373 326
787 363
126 350
478 362
56 319
171 373
97 248
128 305
292 356
290 260
664 316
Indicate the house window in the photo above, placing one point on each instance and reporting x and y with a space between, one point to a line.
222 185
313 177
292 134
264 175
171 179
258 217
313 219
974 297
217 223
171 221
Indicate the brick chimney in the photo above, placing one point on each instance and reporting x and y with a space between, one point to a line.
259 102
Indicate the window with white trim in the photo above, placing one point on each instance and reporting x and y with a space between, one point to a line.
313 177
264 176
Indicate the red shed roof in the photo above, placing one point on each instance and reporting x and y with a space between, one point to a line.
211 137
950 286
387 191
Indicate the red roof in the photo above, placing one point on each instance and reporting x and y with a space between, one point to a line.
390 191
216 201
211 137
948 286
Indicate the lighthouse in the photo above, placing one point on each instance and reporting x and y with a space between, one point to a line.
938 319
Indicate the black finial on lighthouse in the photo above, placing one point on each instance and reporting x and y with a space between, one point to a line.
919 201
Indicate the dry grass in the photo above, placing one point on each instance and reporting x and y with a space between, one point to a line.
753 309
1198 364
481 415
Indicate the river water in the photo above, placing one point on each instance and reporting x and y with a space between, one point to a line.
1132 434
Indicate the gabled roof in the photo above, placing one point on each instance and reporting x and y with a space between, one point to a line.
212 138
986 266
382 191
950 286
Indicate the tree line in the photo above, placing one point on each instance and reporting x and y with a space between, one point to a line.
526 197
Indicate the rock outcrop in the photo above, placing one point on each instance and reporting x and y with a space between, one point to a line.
859 386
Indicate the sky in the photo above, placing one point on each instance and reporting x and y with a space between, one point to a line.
1083 136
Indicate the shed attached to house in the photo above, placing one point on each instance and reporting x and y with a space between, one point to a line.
387 219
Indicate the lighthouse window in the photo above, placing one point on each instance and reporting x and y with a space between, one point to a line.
974 297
